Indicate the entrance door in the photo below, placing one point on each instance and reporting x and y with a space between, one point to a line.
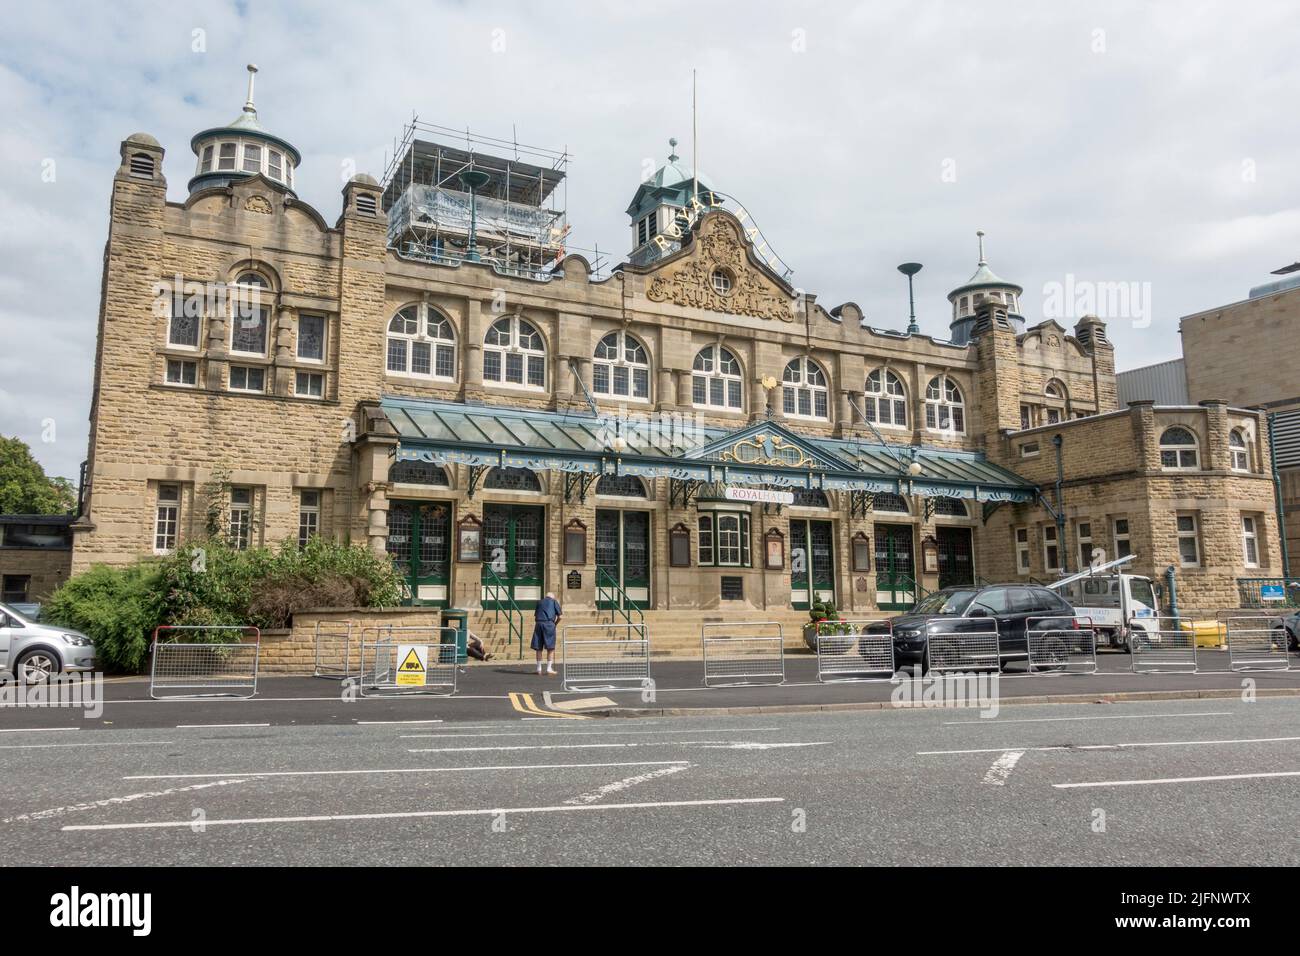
622 559
895 569
812 563
956 565
419 544
513 555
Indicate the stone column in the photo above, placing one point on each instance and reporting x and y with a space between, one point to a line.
475 329
282 351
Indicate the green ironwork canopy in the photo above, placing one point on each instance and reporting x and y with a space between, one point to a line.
668 445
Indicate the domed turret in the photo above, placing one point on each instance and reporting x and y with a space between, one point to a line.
242 149
983 286
664 206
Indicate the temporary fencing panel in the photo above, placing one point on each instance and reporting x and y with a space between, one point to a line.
855 650
604 656
1256 643
1169 647
336 657
1061 645
407 661
969 650
743 652
203 661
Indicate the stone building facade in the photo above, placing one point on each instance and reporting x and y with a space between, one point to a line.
689 432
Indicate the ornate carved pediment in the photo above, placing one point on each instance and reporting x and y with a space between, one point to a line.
721 245
258 204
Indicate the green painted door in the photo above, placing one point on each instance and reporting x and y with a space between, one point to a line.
812 563
513 555
895 567
419 545
956 561
622 559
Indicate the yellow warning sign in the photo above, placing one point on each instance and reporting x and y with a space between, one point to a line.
415 665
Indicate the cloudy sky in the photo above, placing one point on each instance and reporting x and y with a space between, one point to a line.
1145 143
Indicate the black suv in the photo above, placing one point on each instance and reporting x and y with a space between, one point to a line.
971 609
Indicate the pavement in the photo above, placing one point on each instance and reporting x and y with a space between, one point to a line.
1181 782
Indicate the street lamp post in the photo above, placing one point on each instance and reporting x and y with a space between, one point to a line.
474 180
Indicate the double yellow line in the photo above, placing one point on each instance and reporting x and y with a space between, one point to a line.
525 704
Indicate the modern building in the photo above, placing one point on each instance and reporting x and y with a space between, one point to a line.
435 374
35 556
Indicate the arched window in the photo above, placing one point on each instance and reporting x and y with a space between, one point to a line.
1239 450
418 473
885 402
422 342
250 314
620 486
1055 402
514 354
621 368
944 409
1178 449
810 498
804 392
890 502
950 507
715 382
512 479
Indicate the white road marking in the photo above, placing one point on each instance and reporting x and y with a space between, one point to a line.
35 730
755 745
593 796
417 814
558 732
114 801
1158 780
1002 767
378 722
1049 720
345 773
109 743
1151 743
215 726
647 743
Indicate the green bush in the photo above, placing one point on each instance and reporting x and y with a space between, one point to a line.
117 607
210 583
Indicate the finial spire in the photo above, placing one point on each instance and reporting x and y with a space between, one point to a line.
980 234
252 71
672 150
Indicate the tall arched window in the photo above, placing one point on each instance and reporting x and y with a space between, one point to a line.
250 314
1238 450
715 381
514 354
1055 402
804 389
621 368
944 409
1178 449
885 402
422 342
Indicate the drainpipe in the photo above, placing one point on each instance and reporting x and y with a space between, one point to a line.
1173 592
1063 551
1277 494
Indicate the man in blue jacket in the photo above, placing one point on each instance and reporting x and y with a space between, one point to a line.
548 616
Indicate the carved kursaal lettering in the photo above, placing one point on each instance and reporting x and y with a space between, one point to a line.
691 283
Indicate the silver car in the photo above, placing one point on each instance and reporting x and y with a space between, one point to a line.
34 652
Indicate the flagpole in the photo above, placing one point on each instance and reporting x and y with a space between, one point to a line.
695 146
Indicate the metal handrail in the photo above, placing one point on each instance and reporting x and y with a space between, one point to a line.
513 627
624 606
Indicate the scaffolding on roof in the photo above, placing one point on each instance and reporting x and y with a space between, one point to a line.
519 230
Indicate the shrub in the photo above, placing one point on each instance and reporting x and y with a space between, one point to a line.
118 608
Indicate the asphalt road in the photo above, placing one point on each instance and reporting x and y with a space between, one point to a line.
1193 782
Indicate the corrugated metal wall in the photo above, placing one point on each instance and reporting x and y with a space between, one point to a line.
1286 438
1164 383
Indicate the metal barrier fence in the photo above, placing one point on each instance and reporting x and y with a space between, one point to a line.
206 661
1169 646
735 655
857 650
1256 643
334 651
602 663
977 649
403 661
1062 649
